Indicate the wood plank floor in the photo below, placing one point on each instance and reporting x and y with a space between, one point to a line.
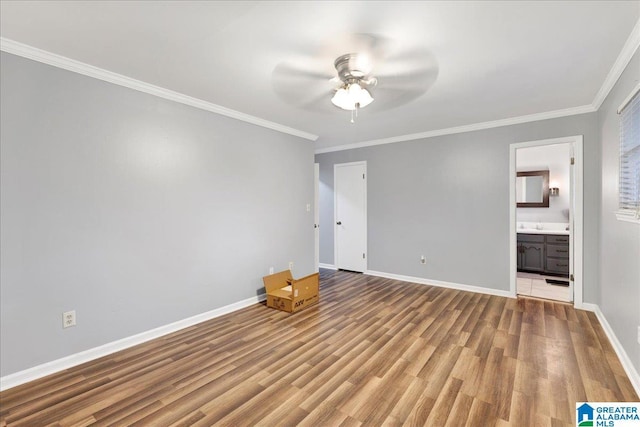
373 352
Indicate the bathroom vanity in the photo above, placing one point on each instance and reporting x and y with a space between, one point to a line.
544 252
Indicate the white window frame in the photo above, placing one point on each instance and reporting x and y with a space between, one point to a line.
622 214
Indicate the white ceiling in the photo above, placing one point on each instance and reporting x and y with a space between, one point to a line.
493 60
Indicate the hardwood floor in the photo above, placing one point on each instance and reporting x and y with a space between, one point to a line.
373 351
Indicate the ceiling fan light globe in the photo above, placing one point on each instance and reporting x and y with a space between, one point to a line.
354 90
342 99
364 98
352 96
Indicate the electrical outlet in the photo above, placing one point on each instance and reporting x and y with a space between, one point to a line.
270 270
423 260
638 334
290 265
69 319
308 207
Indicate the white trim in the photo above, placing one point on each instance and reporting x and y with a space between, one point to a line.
628 98
316 216
327 266
587 306
461 129
628 216
627 52
440 284
513 237
578 222
335 212
631 371
578 231
67 362
29 52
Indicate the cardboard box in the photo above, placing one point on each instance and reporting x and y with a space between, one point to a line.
291 295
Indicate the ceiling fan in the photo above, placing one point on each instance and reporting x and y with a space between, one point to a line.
354 75
375 66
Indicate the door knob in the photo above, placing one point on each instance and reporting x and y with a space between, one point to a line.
339 222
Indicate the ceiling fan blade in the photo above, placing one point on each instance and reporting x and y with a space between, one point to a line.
421 80
298 87
387 98
371 47
412 61
288 71
414 71
321 103
395 90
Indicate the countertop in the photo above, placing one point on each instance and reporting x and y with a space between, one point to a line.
536 231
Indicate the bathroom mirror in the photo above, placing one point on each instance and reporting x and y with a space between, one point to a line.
532 189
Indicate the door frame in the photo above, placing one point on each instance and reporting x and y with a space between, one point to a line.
335 213
577 235
316 215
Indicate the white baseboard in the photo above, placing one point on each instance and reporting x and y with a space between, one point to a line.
441 284
631 371
327 266
67 362
587 306
58 365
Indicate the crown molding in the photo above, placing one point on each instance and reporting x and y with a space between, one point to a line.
26 51
627 52
461 129
30 52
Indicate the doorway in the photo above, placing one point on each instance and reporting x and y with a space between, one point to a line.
546 234
350 204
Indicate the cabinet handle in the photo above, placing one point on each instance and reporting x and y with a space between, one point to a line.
562 265
561 250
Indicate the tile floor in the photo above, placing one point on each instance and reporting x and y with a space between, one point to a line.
534 285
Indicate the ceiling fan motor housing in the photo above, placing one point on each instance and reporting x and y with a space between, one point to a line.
352 67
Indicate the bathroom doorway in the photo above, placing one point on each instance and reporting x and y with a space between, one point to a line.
546 219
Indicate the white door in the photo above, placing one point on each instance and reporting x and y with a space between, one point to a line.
316 214
350 188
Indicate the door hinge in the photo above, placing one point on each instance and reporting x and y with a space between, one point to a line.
573 160
362 176
571 278
363 255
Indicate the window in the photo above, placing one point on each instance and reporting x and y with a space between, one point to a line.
629 189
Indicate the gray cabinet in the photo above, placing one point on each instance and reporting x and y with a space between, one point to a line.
531 252
543 253
557 259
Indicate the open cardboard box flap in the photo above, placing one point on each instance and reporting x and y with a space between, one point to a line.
289 294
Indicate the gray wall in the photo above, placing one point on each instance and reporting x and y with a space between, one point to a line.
447 197
133 210
620 250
